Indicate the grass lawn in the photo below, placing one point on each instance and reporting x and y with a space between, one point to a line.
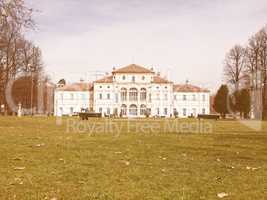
40 159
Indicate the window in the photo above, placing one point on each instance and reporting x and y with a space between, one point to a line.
116 98
184 112
143 110
148 110
194 111
158 111
166 96
108 87
61 110
100 110
194 97
123 110
115 111
71 110
143 78
150 97
108 111
165 111
133 94
133 79
100 86
71 96
83 96
108 96
123 94
204 97
184 97
203 111
123 78
143 94
175 113
175 97
133 110
100 96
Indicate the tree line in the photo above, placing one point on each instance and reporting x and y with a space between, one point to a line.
245 70
19 57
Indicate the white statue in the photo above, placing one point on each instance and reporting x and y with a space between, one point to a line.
19 110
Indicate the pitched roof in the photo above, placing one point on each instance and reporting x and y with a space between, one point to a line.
133 68
76 87
107 79
160 80
188 88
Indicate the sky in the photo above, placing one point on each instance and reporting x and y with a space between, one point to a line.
182 39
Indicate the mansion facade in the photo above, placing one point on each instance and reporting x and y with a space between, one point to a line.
135 91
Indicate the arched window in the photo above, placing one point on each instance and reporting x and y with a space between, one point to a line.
133 94
143 109
123 110
143 94
123 94
133 110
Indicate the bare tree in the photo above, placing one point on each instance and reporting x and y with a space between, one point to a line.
17 54
234 66
262 37
256 67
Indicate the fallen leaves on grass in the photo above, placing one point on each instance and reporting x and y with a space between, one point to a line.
252 168
18 181
19 168
40 145
184 155
62 160
17 159
222 195
127 163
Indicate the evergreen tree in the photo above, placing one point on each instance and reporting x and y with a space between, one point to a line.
245 103
235 102
221 101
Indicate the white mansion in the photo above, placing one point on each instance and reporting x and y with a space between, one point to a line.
133 91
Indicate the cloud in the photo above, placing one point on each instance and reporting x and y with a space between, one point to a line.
187 38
